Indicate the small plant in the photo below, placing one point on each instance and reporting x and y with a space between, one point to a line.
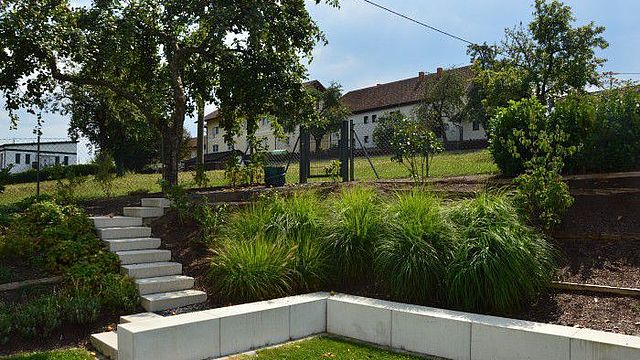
80 308
105 173
252 270
118 294
499 264
412 257
5 175
177 195
6 323
211 219
38 318
200 176
353 230
333 170
67 183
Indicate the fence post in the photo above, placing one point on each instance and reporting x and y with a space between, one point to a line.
344 151
304 154
352 144
38 167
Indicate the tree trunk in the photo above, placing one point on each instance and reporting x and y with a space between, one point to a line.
200 140
318 140
174 131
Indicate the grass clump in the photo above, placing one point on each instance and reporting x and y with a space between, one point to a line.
499 263
412 257
70 354
252 270
354 227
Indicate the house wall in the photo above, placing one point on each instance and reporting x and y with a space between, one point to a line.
265 132
365 131
50 154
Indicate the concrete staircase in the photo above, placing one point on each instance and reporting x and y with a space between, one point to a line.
159 280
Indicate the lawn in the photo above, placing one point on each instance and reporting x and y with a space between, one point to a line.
327 348
446 164
70 354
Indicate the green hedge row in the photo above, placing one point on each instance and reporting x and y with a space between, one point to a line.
52 172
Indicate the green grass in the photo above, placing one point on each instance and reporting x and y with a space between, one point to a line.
327 348
446 164
70 354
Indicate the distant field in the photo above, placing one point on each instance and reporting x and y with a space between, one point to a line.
447 164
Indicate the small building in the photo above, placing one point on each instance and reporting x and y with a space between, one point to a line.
24 156
371 103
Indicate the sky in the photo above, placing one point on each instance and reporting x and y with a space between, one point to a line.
367 46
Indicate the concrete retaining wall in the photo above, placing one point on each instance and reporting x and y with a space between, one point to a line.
423 330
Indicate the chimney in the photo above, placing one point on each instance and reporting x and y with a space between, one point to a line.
421 75
439 72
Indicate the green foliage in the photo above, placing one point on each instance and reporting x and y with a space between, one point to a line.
200 176
211 218
332 170
38 318
80 308
499 264
68 354
105 173
354 227
67 183
5 175
118 294
549 58
252 270
410 141
178 196
412 257
50 173
6 323
330 112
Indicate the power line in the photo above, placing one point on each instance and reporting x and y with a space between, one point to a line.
420 23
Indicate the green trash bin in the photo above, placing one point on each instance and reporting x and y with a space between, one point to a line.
274 175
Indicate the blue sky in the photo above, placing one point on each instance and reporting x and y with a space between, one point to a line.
369 46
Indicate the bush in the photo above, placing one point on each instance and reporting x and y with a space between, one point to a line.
80 308
6 323
411 258
252 270
118 294
38 318
105 172
499 263
50 173
212 219
354 227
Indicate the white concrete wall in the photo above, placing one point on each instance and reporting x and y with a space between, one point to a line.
48 154
264 131
418 329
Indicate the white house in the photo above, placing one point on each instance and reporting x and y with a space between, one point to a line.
24 156
371 103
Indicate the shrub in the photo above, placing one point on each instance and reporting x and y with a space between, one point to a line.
499 263
252 270
118 294
412 257
80 308
50 173
5 175
38 318
105 172
212 219
354 227
298 216
6 323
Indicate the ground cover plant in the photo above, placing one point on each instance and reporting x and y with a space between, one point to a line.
327 347
60 240
476 255
70 354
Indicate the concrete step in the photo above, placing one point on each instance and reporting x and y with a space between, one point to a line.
158 269
139 317
156 202
171 300
133 244
124 232
164 284
106 343
101 222
143 212
143 256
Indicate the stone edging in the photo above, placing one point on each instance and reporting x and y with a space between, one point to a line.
561 285
417 329
19 284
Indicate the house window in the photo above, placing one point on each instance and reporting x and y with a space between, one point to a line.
17 158
66 160
476 125
374 118
216 131
215 148
366 139
27 158
57 160
366 119
229 147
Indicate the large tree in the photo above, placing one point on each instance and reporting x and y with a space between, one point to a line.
155 53
548 58
445 102
330 112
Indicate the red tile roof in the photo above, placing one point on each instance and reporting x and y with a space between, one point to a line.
398 93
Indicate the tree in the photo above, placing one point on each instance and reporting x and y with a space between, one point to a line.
112 125
445 100
330 114
409 140
152 54
547 59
